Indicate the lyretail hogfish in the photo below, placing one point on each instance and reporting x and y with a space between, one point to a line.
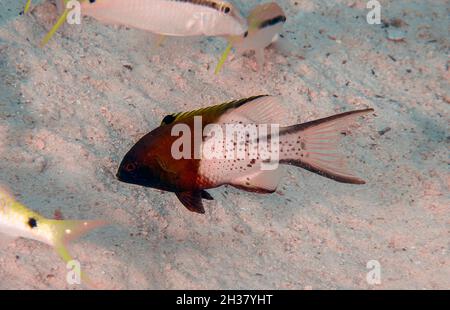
154 161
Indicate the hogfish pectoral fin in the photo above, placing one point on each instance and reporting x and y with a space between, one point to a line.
263 182
193 200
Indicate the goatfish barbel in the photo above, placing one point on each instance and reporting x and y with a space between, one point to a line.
312 146
165 17
265 23
16 220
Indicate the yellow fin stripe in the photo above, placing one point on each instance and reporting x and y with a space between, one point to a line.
214 110
223 58
27 7
58 24
55 28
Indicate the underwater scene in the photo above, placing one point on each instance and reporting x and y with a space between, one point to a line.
217 145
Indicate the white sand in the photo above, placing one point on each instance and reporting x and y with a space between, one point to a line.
70 111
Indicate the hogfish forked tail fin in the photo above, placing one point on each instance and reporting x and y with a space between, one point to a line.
67 231
313 146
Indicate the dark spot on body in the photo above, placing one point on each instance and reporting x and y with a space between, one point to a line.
32 222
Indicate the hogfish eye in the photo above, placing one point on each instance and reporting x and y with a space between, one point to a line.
227 10
130 167
91 1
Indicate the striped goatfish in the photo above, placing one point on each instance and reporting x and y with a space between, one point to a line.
154 160
165 17
16 220
170 17
265 23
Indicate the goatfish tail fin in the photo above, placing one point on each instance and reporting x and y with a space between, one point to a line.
27 7
313 146
65 232
55 27
59 4
261 17
223 58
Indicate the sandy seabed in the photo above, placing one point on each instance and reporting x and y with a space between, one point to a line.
71 110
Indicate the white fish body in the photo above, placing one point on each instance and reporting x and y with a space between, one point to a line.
170 17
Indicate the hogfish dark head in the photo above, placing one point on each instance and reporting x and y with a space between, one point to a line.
150 163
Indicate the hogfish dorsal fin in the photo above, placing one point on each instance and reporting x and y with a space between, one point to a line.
260 108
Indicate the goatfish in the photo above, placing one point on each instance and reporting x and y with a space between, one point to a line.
16 220
165 17
265 23
151 162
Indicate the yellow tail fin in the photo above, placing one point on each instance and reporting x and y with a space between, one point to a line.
67 231
223 58
27 7
55 28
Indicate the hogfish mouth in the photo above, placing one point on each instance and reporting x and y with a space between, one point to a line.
126 178
132 173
